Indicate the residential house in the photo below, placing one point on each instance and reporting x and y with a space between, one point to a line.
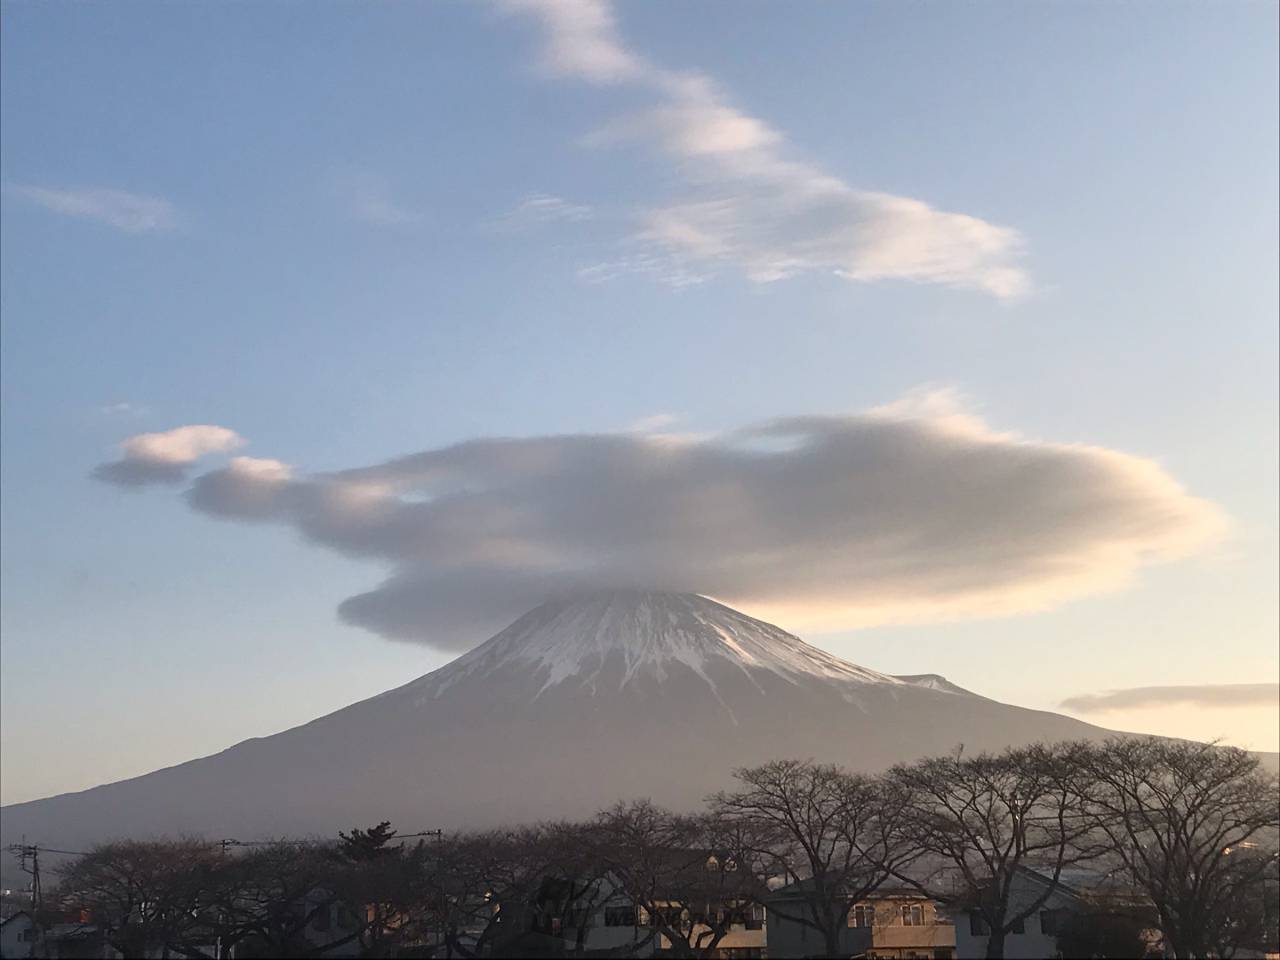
17 935
701 895
899 921
70 937
320 923
787 937
1033 938
904 924
75 941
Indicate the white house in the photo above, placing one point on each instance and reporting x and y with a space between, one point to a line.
17 936
1036 936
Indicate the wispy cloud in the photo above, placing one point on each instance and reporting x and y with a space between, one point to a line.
370 199
821 522
672 271
542 208
1210 696
749 203
130 212
123 408
165 458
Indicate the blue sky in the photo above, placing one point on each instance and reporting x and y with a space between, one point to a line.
351 233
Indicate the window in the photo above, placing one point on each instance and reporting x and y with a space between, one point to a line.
713 863
1049 922
862 915
671 914
912 915
978 926
624 916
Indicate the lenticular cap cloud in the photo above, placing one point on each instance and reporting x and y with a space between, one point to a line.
916 512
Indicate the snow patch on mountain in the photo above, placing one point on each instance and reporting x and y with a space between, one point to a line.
934 681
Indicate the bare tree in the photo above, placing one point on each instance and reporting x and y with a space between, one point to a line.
576 889
280 900
1250 920
691 878
833 835
145 896
1189 822
1105 926
984 820
486 886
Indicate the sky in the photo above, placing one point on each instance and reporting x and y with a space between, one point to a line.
333 336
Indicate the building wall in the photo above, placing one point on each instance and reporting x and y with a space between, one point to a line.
602 937
787 938
1029 945
892 936
12 933
1032 943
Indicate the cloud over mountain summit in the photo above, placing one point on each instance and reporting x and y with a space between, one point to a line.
910 513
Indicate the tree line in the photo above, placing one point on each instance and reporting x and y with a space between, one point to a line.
1186 835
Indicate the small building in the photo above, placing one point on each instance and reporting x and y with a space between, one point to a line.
20 937
900 922
17 935
787 937
904 923
330 928
75 941
1031 939
703 896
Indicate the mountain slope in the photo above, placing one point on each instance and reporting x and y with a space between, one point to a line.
581 702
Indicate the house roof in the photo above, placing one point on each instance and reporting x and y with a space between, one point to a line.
711 871
15 916
926 874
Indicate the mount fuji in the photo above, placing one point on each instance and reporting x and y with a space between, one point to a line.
581 702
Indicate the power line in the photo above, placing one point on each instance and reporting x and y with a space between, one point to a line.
33 850
17 848
230 842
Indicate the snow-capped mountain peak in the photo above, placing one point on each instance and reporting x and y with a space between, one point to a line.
610 639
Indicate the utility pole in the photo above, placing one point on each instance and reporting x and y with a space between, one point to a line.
222 916
443 934
31 852
438 927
